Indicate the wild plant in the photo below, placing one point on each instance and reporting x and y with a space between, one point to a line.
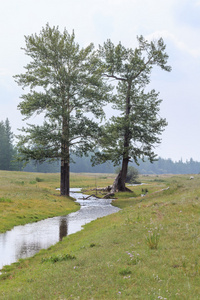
134 258
125 271
152 240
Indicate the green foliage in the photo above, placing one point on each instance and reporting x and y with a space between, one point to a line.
132 175
134 133
70 86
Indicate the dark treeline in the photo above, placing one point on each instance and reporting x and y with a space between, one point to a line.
167 166
161 166
8 154
7 149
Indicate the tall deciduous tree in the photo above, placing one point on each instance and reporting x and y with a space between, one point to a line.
136 131
65 84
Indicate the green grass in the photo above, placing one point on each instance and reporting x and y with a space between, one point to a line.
113 257
23 202
57 258
29 197
2 199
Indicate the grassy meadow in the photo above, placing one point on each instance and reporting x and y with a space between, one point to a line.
150 249
29 197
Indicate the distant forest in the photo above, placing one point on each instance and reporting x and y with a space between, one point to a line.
7 149
8 154
83 164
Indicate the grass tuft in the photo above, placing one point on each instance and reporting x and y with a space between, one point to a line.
58 258
125 272
5 276
2 199
152 240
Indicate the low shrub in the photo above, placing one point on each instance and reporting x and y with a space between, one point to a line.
38 179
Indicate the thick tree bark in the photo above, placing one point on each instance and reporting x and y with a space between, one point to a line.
65 156
119 183
64 178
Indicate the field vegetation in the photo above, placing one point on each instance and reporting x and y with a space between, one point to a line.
148 250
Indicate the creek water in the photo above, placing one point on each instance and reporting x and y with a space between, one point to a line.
24 241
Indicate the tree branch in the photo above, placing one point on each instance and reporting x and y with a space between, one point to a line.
115 77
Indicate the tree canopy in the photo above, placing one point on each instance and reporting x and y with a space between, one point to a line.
69 86
65 85
135 132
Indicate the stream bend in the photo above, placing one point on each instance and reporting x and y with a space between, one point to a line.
25 241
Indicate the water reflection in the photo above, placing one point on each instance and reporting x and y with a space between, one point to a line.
25 241
63 228
25 250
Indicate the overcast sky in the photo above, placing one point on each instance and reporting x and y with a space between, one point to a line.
176 21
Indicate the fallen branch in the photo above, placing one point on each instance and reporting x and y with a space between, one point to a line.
91 196
106 189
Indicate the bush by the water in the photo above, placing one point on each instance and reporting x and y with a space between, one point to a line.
132 174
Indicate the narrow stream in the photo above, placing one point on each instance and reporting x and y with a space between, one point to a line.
24 241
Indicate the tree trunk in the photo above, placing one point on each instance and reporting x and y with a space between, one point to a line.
119 183
64 178
65 156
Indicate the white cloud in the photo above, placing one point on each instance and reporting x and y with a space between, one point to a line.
180 44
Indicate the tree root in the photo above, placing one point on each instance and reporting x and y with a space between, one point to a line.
109 195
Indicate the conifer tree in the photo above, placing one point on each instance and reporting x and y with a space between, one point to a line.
6 145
